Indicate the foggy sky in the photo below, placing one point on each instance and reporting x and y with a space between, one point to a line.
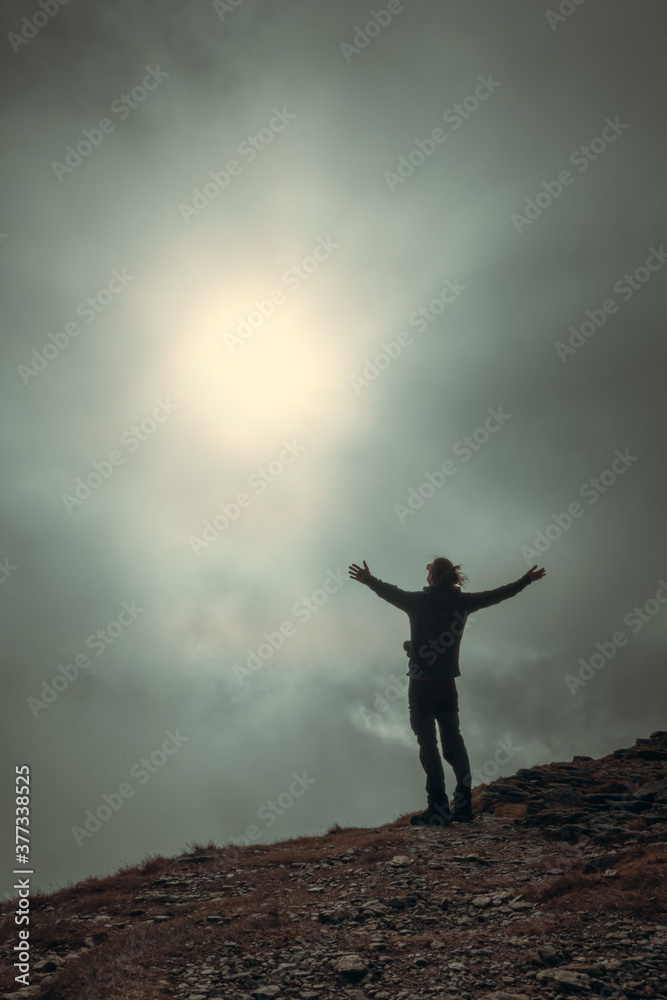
188 276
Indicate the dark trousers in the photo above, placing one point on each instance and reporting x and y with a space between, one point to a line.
423 721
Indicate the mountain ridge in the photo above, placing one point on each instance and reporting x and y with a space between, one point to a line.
557 888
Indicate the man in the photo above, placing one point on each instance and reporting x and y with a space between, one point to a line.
437 616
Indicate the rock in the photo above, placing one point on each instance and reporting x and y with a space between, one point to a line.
565 794
499 898
653 788
589 969
511 810
481 902
652 754
25 991
576 982
46 965
332 916
375 908
502 995
351 968
396 902
594 865
241 977
405 931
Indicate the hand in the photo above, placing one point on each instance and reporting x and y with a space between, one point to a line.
357 573
535 574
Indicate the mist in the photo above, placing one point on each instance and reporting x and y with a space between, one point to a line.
287 287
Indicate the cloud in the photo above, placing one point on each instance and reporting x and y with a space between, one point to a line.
321 178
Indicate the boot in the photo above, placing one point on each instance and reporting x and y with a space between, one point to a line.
437 814
462 811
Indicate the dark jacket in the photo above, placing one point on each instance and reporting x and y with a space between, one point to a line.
437 619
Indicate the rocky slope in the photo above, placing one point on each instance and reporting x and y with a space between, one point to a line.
557 889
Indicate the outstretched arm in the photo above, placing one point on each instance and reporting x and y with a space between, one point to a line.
487 598
387 591
357 573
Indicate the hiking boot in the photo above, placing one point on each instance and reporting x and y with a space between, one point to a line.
435 815
462 811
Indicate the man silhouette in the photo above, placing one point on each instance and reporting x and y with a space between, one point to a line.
437 616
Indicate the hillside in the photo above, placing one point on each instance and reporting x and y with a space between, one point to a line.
557 888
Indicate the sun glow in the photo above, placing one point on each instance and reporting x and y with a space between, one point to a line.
276 381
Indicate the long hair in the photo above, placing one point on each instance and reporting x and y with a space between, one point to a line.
445 574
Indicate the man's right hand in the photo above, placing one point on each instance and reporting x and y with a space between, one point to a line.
535 574
357 573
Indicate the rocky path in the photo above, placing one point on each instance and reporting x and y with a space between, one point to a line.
557 889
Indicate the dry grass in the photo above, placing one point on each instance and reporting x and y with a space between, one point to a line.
126 963
307 849
639 890
121 966
544 925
